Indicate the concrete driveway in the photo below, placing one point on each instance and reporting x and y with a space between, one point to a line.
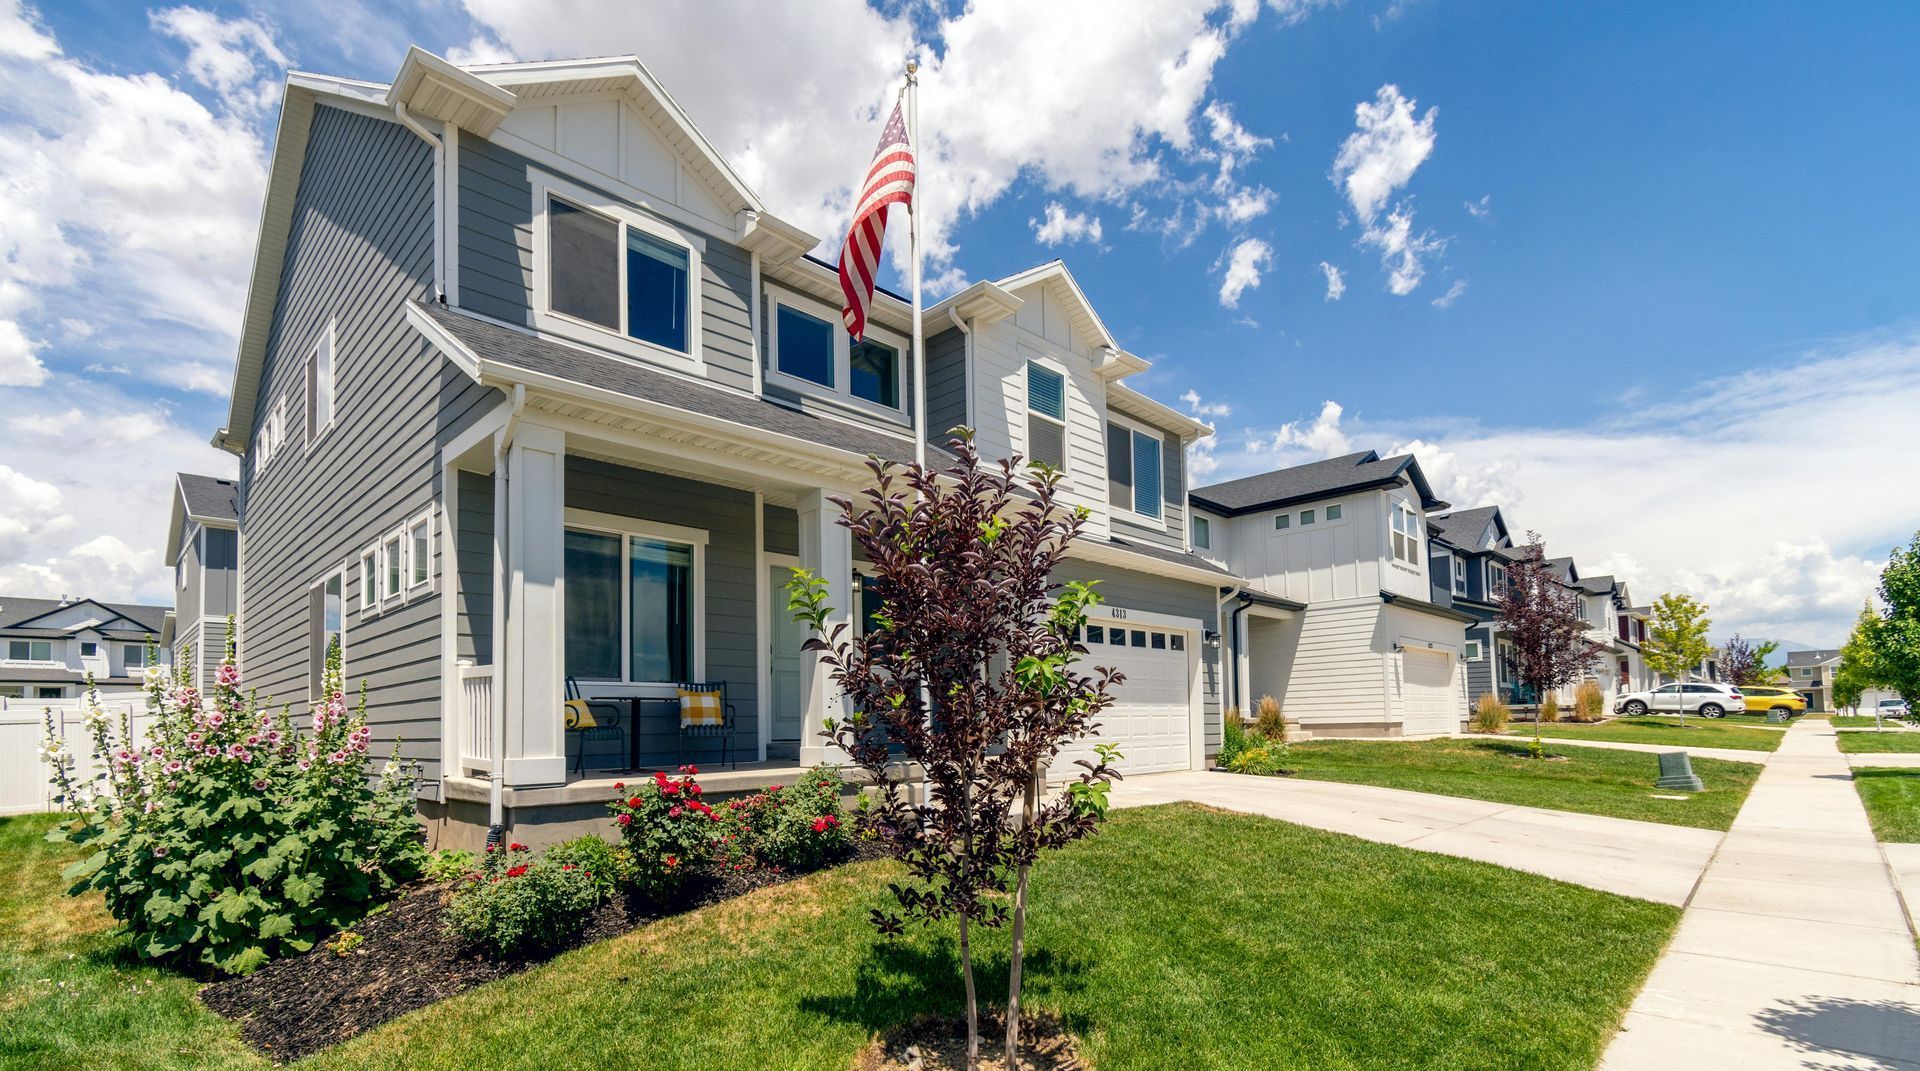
1642 859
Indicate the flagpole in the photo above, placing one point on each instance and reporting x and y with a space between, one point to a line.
913 243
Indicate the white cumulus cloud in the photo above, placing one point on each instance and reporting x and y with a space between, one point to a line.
1060 225
1389 143
1244 263
1336 282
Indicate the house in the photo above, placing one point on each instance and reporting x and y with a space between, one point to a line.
50 647
534 392
1337 617
1606 604
203 545
1470 552
1811 674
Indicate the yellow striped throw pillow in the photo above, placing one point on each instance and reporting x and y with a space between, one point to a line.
580 715
700 708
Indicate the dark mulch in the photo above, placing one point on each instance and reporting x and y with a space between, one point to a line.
294 1007
939 1043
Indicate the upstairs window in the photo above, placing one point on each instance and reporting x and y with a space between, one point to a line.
1046 416
1496 581
266 442
1459 575
391 568
420 551
803 345
873 371
1406 535
811 349
1202 533
89 649
134 655
320 386
608 271
1133 470
30 650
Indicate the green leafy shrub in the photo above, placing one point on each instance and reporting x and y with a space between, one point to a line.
792 827
1490 715
609 865
515 904
1265 759
667 830
231 837
1269 721
1233 740
450 864
1549 709
1589 702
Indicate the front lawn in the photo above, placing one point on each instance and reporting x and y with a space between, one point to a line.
1865 721
1892 798
1618 784
1698 732
1176 938
1879 743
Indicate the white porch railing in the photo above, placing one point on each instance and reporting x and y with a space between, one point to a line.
24 784
475 716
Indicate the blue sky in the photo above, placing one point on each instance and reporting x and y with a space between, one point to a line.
1656 286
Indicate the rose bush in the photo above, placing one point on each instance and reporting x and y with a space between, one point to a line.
785 827
668 830
229 836
516 904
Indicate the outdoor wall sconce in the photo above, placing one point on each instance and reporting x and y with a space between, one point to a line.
1211 639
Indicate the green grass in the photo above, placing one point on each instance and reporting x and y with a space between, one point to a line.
1892 799
1863 721
1698 732
1879 743
1178 937
71 997
1618 784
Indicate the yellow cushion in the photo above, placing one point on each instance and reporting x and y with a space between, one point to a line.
700 708
580 715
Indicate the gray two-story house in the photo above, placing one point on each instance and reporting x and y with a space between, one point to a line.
51 648
535 397
203 545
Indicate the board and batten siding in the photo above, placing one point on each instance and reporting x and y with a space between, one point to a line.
359 248
1132 590
496 258
730 597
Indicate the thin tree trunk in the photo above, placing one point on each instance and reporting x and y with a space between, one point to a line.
1020 927
966 949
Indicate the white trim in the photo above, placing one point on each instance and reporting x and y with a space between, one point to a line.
315 671
1130 513
424 584
369 565
625 527
615 340
754 305
393 574
1052 364
449 159
762 637
1196 633
840 392
453 721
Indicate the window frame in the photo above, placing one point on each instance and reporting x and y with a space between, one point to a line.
310 368
1459 571
413 580
1411 536
317 654
546 187
626 528
1135 431
370 580
84 644
1198 526
133 655
841 392
393 567
30 645
1052 367
1473 651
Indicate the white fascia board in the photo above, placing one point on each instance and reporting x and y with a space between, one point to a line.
436 89
1161 413
1056 271
776 240
1088 549
983 303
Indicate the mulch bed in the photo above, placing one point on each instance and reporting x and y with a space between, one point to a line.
939 1043
294 1007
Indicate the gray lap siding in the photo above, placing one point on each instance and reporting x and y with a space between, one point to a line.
360 246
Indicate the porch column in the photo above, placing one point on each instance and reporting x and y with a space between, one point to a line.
827 549
532 645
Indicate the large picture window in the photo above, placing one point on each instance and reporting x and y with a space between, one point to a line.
813 354
618 270
632 607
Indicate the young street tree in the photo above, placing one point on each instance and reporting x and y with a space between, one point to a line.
1895 638
1541 619
968 674
1859 666
1677 639
1742 662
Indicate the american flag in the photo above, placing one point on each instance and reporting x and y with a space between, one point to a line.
889 181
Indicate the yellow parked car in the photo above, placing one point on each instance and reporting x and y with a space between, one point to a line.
1763 698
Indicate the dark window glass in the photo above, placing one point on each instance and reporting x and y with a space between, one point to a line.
871 604
1046 391
806 346
1139 638
656 291
1333 513
1179 642
874 370
1096 634
1159 641
593 606
1119 466
1202 533
1146 475
662 612
1046 441
1282 521
1117 637
583 268
1306 516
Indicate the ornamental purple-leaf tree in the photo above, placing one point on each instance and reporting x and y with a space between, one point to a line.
968 674
1741 662
1541 620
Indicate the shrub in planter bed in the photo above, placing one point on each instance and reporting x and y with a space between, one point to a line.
667 829
516 904
1549 709
1589 702
1233 741
1490 715
1262 758
786 827
609 865
230 836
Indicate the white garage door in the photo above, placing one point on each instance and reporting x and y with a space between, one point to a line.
1150 716
1427 694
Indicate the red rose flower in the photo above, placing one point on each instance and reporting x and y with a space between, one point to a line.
516 847
624 820
674 811
619 786
693 789
819 825
514 872
689 770
670 789
635 802
672 861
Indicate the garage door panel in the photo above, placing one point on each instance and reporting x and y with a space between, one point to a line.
1149 719
1427 691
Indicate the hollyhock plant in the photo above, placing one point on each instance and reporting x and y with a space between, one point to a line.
228 837
667 829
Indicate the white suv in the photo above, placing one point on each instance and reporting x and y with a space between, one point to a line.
1706 700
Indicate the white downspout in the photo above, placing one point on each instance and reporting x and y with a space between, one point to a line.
439 208
503 588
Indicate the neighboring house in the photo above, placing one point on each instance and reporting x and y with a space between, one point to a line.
533 389
1338 618
203 544
49 647
1606 605
1811 674
1471 551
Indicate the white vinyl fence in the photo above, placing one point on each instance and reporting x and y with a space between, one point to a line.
24 779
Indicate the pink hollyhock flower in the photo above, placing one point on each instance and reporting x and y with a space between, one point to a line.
228 675
194 738
337 757
260 784
175 766
216 719
160 852
253 741
304 765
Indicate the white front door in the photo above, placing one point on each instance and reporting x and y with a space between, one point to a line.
784 655
1427 692
1152 709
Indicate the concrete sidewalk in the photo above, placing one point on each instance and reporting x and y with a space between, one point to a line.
1728 754
1794 952
1643 859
